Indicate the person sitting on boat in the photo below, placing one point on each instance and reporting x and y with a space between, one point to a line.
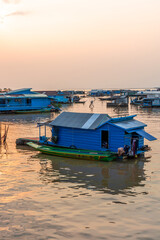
126 149
121 151
105 144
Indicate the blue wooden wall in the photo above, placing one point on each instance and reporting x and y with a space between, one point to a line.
80 138
90 139
41 102
127 140
36 103
116 138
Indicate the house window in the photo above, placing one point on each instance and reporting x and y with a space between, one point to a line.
104 139
2 101
28 101
18 100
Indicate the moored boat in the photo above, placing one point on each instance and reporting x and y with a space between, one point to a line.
80 102
43 110
75 153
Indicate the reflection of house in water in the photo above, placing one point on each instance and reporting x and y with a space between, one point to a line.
115 177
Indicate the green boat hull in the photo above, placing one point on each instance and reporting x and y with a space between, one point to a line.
44 110
74 153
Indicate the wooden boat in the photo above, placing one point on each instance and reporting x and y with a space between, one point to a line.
43 110
80 102
74 153
103 98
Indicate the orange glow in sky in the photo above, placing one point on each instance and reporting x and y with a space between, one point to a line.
79 44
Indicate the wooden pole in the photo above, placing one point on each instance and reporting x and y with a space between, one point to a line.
39 132
0 133
45 130
6 132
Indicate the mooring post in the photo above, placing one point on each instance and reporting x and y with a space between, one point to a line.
0 133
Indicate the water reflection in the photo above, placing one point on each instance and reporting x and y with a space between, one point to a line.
46 197
112 177
3 149
150 111
27 118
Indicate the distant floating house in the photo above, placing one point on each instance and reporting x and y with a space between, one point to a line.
103 92
23 100
121 101
63 96
150 102
99 92
97 132
150 98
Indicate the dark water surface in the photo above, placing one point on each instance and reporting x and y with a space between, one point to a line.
46 197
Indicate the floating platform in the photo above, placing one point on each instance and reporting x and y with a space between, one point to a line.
24 141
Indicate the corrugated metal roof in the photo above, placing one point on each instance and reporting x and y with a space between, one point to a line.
24 96
144 134
80 120
35 95
19 90
129 124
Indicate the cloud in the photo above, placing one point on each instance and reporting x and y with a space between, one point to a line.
11 1
17 13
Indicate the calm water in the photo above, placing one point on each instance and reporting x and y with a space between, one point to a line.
46 197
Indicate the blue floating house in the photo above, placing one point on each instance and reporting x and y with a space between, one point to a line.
23 100
92 131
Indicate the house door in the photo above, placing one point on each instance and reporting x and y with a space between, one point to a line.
104 139
28 102
134 142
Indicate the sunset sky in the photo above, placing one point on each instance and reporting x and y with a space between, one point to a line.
79 44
